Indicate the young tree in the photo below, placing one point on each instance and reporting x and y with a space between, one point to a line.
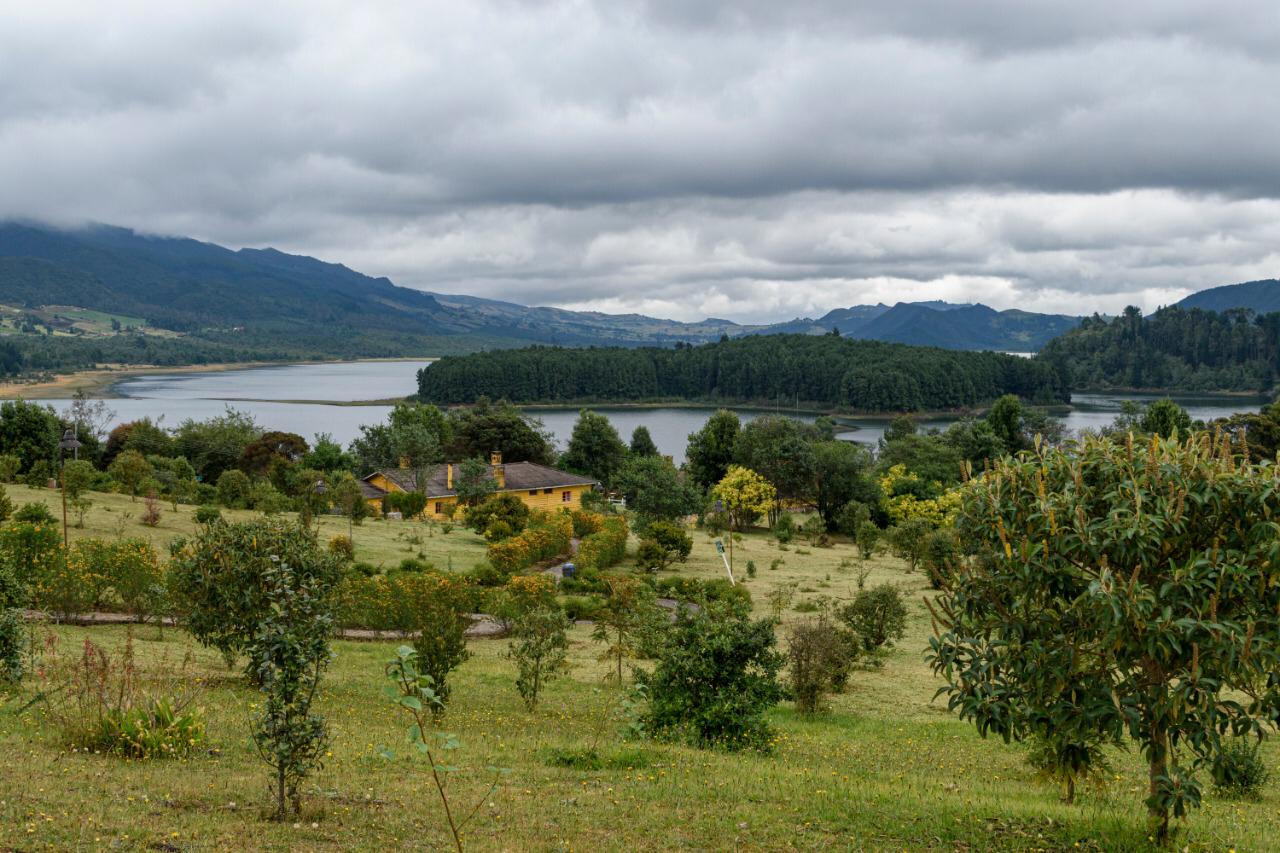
710 450
130 469
819 657
538 647
781 450
746 496
642 443
908 540
1121 588
841 474
1166 418
473 481
289 653
89 417
77 476
629 621
655 490
234 488
1005 418
346 495
30 432
664 543
595 448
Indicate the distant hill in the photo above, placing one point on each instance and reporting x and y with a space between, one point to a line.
1261 297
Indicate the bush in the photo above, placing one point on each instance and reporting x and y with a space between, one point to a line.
505 508
219 579
908 540
939 556
10 465
703 592
1067 762
1238 770
578 607
442 642
819 657
664 543
30 557
605 547
343 547
12 663
34 513
547 536
539 645
784 529
852 516
208 514
876 616
130 568
234 488
868 538
403 602
716 675
38 475
150 511
6 505
585 523
408 504
815 530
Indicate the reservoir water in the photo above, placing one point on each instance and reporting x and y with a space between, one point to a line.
265 392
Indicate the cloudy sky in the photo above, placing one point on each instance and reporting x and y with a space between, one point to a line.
756 160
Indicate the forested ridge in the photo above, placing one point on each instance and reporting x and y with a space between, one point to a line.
827 370
1175 348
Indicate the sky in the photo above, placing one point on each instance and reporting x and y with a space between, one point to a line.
755 160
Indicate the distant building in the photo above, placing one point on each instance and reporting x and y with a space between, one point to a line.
538 486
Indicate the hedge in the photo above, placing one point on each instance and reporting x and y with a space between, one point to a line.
605 547
401 601
547 535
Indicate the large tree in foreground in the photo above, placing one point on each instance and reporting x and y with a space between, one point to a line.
1121 589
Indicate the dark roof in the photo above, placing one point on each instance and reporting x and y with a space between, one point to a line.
520 477
370 491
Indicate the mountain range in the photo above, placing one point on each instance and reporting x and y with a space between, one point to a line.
275 301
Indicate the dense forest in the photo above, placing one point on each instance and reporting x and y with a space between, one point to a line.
827 370
1175 348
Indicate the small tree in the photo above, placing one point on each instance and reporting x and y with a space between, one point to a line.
642 442
289 653
627 623
538 647
130 469
348 498
819 657
716 675
1120 589
234 488
77 476
441 644
908 540
474 481
868 538
876 617
664 543
745 494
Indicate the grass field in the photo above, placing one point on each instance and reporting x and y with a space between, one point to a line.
887 769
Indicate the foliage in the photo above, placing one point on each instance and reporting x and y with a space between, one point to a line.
414 690
1238 769
77 477
208 514
781 450
819 369
851 517
262 456
595 449
1120 589
29 432
473 481
12 654
222 580
710 449
1068 761
629 622
151 511
868 537
403 602
548 535
1166 419
130 469
348 498
784 529
441 644
908 540
234 488
343 547
655 490
604 547
130 568
642 442
34 513
485 427
819 657
745 494
716 675
506 508
908 497
876 617
30 554
289 653
408 504
940 556
538 647
10 465
216 444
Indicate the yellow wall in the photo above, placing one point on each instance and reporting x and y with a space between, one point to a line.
540 501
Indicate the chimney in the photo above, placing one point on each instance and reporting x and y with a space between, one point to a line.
404 461
448 483
499 473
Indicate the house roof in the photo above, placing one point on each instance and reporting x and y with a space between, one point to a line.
520 477
371 492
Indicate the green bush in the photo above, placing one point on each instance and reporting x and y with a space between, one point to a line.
441 643
34 513
403 602
939 556
129 567
6 505
156 730
504 508
1238 770
10 465
208 514
606 546
234 488
784 529
31 557
219 578
578 607
819 657
695 591
868 537
664 543
538 647
876 616
12 659
716 676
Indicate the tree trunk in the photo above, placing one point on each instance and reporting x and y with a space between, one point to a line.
1158 765
280 793
1070 798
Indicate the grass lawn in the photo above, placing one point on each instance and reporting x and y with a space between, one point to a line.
886 769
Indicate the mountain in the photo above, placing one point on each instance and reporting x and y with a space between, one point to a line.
1261 297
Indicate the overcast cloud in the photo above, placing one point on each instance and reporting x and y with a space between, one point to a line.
755 160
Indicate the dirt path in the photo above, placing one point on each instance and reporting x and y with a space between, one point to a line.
482 625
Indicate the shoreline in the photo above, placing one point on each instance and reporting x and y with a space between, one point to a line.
100 381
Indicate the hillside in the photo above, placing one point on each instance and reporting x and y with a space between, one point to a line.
1261 297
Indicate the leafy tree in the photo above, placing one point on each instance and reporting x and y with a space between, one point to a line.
1120 589
269 450
486 427
908 540
710 450
595 449
1166 418
77 477
1005 419
655 490
716 676
223 580
234 488
214 445
841 475
975 441
441 644
289 653
473 481
745 494
876 617
628 622
642 443
538 647
328 456
143 435
131 469
930 457
780 449
30 432
868 537
346 495
664 543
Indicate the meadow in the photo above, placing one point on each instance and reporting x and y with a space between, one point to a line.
886 769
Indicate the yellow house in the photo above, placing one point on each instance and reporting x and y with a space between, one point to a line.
538 486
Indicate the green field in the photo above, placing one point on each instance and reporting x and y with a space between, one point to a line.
887 769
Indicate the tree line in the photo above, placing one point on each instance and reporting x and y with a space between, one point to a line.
826 370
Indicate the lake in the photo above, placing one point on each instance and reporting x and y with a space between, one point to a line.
171 398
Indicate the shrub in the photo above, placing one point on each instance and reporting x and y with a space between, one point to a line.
219 579
289 653
441 644
784 529
819 657
939 556
30 554
150 511
34 513
546 536
38 475
6 505
605 547
12 663
701 592
71 583
10 465
208 514
664 544
343 547
234 488
265 498
505 508
751 568
408 504
628 622
851 517
130 568
1067 762
401 602
868 537
585 523
538 647
716 675
815 530
1238 770
876 616
578 607
908 540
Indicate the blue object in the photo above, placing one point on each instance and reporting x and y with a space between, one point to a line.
568 570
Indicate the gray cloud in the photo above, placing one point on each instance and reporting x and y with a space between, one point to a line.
755 160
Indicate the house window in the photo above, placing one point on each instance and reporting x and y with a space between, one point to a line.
439 508
565 497
533 491
547 491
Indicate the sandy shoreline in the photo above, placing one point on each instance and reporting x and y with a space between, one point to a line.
99 381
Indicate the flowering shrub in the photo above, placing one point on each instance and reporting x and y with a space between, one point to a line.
402 602
130 568
606 546
902 503
547 535
585 523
